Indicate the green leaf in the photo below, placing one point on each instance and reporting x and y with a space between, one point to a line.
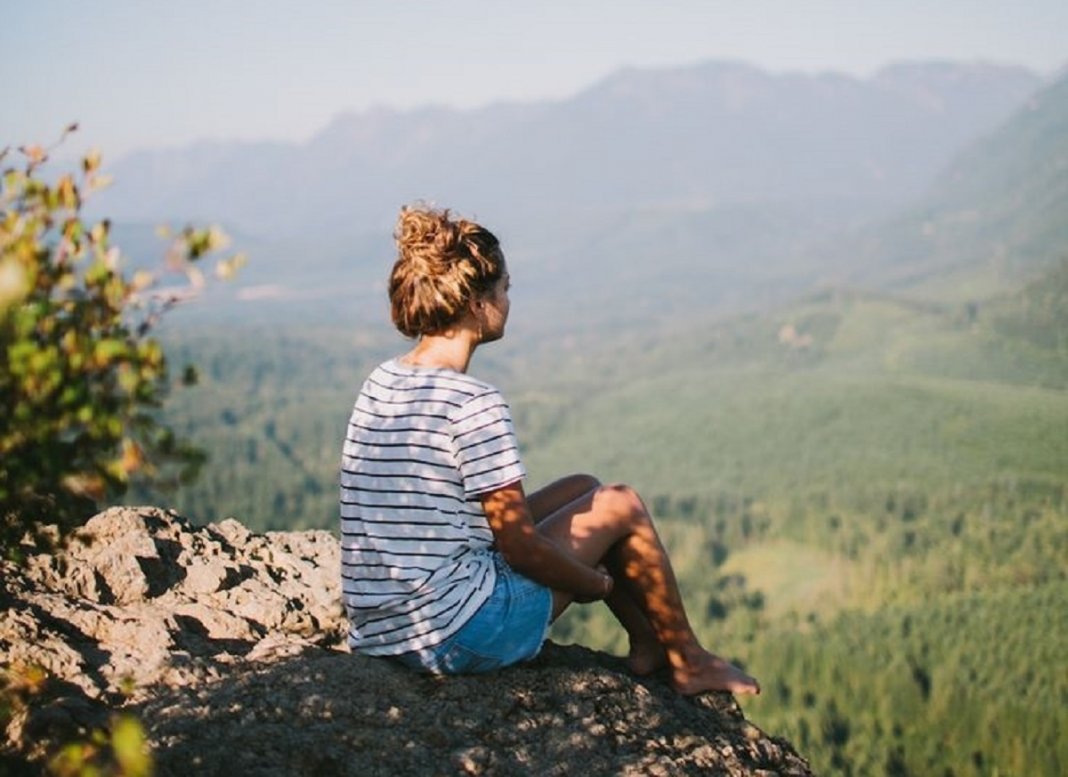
106 351
131 747
14 283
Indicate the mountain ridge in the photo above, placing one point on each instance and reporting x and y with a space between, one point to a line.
714 132
995 214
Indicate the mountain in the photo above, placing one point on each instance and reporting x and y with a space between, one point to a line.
695 137
722 174
996 214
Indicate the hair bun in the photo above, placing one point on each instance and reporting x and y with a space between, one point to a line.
427 235
442 263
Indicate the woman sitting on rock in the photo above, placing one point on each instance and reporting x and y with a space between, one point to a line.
447 564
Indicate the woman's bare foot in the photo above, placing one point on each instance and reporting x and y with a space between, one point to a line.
646 657
704 671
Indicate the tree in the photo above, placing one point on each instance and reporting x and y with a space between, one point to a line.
80 374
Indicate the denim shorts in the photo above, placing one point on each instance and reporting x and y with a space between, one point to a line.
508 628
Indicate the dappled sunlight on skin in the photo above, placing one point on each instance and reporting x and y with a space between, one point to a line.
508 514
609 527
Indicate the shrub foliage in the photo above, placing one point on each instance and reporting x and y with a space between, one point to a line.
80 374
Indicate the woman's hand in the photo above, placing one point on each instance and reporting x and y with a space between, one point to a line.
609 584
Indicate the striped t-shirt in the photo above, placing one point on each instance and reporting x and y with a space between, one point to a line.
422 446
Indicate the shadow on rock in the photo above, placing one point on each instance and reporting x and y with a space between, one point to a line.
571 711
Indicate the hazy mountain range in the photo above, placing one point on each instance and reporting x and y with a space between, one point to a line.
995 214
706 188
693 136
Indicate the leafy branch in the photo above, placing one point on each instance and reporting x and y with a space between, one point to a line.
80 374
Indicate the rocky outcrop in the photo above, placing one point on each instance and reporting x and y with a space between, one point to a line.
228 645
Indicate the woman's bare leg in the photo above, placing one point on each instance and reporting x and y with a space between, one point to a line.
558 494
645 654
611 525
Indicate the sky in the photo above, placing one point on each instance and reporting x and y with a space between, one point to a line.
139 74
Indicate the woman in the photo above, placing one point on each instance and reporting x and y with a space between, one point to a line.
447 564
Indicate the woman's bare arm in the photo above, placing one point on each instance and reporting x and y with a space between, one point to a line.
534 555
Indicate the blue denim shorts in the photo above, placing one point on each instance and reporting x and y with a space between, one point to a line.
508 628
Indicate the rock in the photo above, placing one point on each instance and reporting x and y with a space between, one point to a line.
569 711
138 584
229 646
206 577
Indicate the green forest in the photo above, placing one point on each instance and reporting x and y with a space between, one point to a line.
862 478
866 498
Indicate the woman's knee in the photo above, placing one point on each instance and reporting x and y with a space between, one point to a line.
583 483
622 502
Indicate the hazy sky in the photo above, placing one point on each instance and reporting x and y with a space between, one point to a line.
138 73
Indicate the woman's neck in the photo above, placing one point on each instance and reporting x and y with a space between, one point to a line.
451 350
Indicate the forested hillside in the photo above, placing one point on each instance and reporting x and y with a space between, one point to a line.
836 479
859 459
990 219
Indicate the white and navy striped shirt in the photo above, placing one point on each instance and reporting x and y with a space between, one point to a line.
422 446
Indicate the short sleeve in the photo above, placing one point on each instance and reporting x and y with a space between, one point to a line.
486 448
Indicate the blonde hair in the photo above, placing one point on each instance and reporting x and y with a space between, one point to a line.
442 265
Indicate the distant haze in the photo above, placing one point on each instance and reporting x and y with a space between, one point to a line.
715 186
140 75
693 137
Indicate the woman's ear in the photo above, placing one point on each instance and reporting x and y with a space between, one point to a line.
476 311
479 316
